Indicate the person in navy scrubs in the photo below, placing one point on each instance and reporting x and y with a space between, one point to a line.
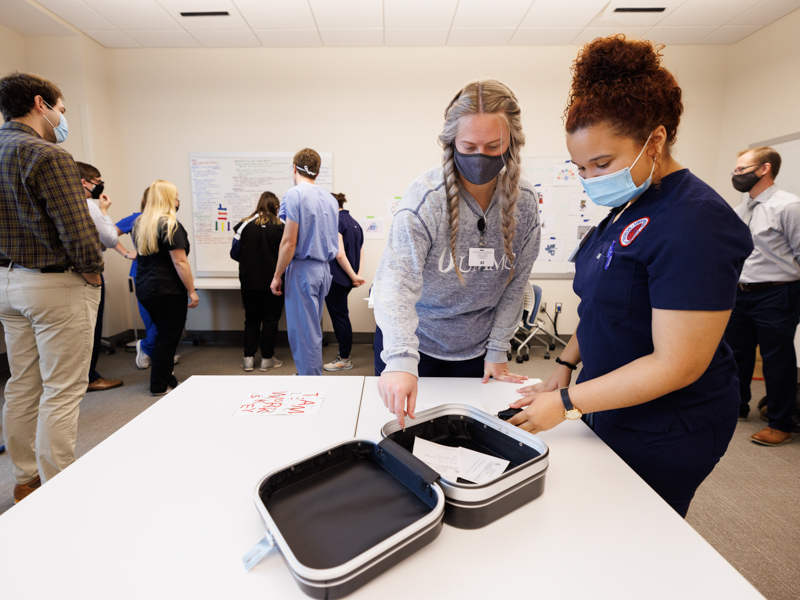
656 280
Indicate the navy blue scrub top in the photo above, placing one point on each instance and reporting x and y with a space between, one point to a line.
353 238
679 246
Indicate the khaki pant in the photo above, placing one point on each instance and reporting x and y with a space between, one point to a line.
49 323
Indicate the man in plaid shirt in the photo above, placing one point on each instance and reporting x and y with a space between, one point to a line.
50 266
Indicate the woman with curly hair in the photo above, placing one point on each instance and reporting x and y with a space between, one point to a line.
448 291
657 282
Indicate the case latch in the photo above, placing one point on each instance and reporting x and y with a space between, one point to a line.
258 552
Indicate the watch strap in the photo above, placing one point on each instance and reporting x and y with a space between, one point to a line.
565 399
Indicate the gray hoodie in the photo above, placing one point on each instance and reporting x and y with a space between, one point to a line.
421 306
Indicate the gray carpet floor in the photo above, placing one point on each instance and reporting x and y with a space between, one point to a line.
748 509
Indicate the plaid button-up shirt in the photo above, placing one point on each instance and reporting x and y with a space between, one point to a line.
44 219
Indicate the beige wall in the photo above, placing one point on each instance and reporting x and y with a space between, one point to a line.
138 113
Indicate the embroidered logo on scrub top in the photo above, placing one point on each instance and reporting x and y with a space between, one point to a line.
632 230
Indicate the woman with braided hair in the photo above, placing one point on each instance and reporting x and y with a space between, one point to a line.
657 282
448 291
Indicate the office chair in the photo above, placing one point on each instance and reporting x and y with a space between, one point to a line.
528 329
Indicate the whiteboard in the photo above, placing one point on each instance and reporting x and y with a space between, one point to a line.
225 189
565 212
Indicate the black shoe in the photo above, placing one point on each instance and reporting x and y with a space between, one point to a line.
744 410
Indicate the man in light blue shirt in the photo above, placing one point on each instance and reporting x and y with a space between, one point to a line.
768 299
310 240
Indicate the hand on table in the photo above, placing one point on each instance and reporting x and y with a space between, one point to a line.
395 388
499 371
544 410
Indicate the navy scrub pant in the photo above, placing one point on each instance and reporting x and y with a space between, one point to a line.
767 318
336 301
673 463
433 367
98 329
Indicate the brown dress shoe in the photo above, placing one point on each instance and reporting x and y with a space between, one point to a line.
98 385
771 437
23 490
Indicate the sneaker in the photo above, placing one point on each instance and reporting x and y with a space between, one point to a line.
142 360
247 363
270 363
176 359
340 364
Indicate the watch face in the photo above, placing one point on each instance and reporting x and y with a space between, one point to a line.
573 415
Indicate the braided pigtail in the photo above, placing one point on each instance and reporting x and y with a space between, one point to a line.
510 192
451 189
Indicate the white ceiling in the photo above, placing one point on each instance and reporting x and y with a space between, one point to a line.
370 23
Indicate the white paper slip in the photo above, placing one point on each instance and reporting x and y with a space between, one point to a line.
452 463
480 468
443 459
281 403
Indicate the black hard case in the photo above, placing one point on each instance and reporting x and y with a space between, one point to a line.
343 516
470 505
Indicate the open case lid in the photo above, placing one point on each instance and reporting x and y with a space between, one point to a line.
367 499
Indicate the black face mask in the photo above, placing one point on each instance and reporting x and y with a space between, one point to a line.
745 182
98 189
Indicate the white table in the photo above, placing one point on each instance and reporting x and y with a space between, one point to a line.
164 509
598 531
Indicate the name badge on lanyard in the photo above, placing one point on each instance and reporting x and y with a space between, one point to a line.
481 257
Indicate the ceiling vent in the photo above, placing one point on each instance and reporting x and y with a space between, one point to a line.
640 9
208 13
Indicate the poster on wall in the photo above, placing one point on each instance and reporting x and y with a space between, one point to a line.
225 189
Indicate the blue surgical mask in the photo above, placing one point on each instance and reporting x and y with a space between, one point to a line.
615 189
61 130
479 169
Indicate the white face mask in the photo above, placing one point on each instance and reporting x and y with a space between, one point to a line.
615 189
61 130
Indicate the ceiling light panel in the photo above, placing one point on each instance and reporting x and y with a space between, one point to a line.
232 22
276 14
78 14
142 14
418 13
497 13
349 14
558 13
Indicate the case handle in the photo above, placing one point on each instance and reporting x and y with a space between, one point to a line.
408 460
258 552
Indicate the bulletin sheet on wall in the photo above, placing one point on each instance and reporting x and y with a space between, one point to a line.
225 189
565 212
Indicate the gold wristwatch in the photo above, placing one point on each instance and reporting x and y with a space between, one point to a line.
570 412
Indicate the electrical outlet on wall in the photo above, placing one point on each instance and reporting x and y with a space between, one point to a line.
558 307
543 307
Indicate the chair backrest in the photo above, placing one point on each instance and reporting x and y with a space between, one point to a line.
537 303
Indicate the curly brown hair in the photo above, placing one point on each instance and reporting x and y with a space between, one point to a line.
623 83
17 91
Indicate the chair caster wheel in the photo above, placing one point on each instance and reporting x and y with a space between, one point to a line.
552 346
519 360
547 356
526 357
508 355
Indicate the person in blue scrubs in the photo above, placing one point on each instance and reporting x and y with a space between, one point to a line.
145 346
310 240
656 280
